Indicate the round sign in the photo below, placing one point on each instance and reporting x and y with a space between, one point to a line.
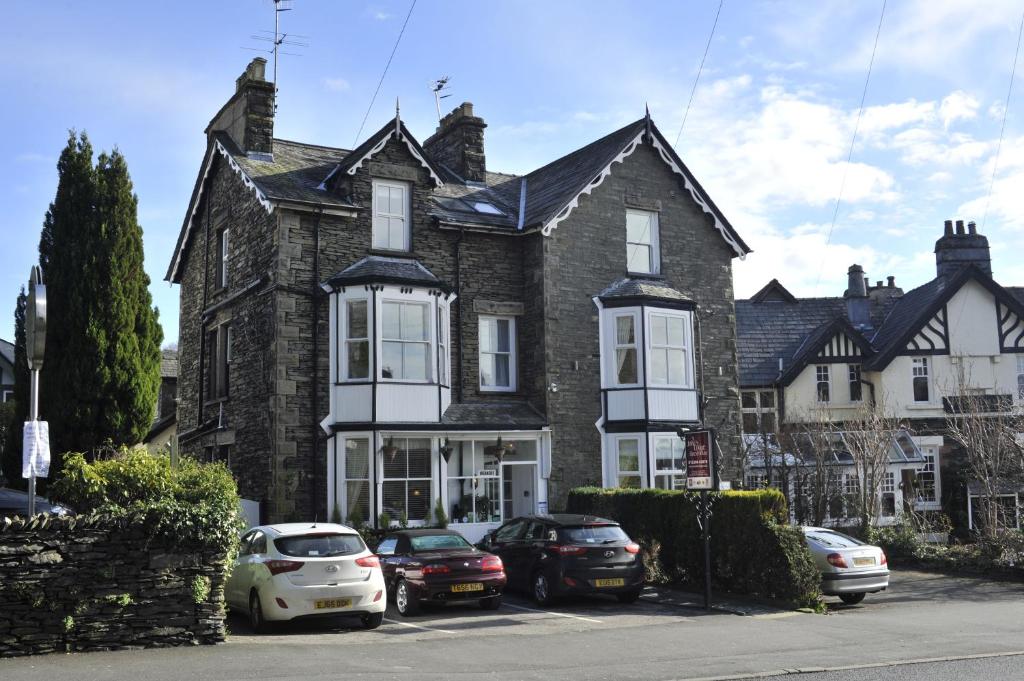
35 320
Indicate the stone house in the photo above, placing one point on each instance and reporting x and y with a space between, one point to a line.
916 353
6 371
165 422
396 328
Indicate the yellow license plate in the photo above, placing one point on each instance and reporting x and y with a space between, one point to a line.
610 582
461 588
859 562
332 603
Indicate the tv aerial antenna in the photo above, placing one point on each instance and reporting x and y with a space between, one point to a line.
279 40
437 87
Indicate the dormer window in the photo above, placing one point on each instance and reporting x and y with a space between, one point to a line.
642 253
391 215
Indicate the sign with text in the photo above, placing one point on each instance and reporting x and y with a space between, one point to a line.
35 455
700 464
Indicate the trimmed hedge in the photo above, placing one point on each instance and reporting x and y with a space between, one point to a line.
753 549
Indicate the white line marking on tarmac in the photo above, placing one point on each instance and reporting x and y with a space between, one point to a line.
418 626
548 612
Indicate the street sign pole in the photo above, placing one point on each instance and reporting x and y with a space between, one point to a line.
36 454
33 415
706 525
702 475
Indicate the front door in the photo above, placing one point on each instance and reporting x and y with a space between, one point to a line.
519 489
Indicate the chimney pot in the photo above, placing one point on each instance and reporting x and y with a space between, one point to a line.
878 284
956 251
458 143
960 227
972 227
949 228
891 281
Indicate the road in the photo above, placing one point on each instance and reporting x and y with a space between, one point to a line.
922 617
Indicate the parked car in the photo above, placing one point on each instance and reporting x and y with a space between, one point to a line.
438 566
15 502
294 570
561 554
849 567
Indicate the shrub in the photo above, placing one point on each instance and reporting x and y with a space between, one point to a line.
753 550
191 503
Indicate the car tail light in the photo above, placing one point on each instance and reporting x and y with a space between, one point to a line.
885 561
492 564
368 561
836 560
436 569
276 567
632 547
569 581
566 550
281 603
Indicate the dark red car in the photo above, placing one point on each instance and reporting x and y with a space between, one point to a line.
438 566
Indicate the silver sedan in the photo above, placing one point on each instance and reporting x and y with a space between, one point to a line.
849 567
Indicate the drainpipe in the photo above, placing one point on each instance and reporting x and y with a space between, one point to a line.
202 325
458 304
315 425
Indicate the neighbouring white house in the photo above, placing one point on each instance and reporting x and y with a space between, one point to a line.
914 352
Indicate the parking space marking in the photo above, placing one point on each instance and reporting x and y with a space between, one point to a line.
549 612
418 626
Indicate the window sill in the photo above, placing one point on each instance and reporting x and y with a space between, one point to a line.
645 275
393 253
496 391
216 400
923 406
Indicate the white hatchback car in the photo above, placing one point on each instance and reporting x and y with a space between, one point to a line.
295 570
849 567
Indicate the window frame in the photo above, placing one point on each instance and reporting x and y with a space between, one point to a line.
347 478
346 340
377 214
223 257
676 445
653 245
477 456
851 370
511 353
887 486
686 349
403 445
759 411
217 382
930 470
619 473
825 369
443 352
634 316
916 364
429 342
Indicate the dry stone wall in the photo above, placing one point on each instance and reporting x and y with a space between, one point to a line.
103 583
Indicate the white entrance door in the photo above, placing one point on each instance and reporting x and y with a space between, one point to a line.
519 489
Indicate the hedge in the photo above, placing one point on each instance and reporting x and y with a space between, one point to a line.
753 549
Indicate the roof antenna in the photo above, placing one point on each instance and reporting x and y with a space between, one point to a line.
437 87
278 39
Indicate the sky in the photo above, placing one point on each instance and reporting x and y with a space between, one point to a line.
767 134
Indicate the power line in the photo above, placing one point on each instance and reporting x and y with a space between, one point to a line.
1002 127
386 67
849 155
699 70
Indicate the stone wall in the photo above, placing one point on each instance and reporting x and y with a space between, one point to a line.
101 583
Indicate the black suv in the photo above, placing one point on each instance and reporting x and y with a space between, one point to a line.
560 554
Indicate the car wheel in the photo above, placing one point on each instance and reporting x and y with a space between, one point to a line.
405 600
256 619
541 588
852 599
628 596
492 603
372 621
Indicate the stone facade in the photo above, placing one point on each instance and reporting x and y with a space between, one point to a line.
93 583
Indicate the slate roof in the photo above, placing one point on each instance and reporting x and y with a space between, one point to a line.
168 364
294 174
360 152
494 415
633 287
454 202
386 270
903 316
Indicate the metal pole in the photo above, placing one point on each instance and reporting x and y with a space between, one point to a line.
33 416
705 525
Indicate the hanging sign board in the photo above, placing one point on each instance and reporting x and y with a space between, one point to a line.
700 464
35 455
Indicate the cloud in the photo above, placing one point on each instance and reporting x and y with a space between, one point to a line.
336 84
958 105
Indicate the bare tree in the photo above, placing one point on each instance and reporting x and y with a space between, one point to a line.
870 434
812 439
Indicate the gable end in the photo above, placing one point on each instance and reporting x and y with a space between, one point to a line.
932 338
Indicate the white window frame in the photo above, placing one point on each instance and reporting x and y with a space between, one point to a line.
8 395
428 342
931 467
686 349
652 244
759 411
511 353
677 447
635 346
917 364
378 236
346 340
639 472
443 329
480 482
224 257
850 382
818 381
346 478
403 443
887 485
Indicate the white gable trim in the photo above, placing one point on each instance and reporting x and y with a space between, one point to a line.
667 158
246 180
376 148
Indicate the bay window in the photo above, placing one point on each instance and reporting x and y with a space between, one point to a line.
668 350
497 353
357 340
357 480
669 463
625 350
628 462
391 215
405 341
406 479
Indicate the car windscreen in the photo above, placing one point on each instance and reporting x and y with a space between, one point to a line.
834 540
319 545
593 534
438 542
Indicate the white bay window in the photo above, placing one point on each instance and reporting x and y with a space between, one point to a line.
405 341
668 350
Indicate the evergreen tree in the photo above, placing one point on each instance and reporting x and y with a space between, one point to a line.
102 368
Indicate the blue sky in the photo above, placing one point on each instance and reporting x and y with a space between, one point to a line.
767 135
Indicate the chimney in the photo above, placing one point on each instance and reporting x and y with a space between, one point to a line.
248 117
891 281
856 295
458 143
955 250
